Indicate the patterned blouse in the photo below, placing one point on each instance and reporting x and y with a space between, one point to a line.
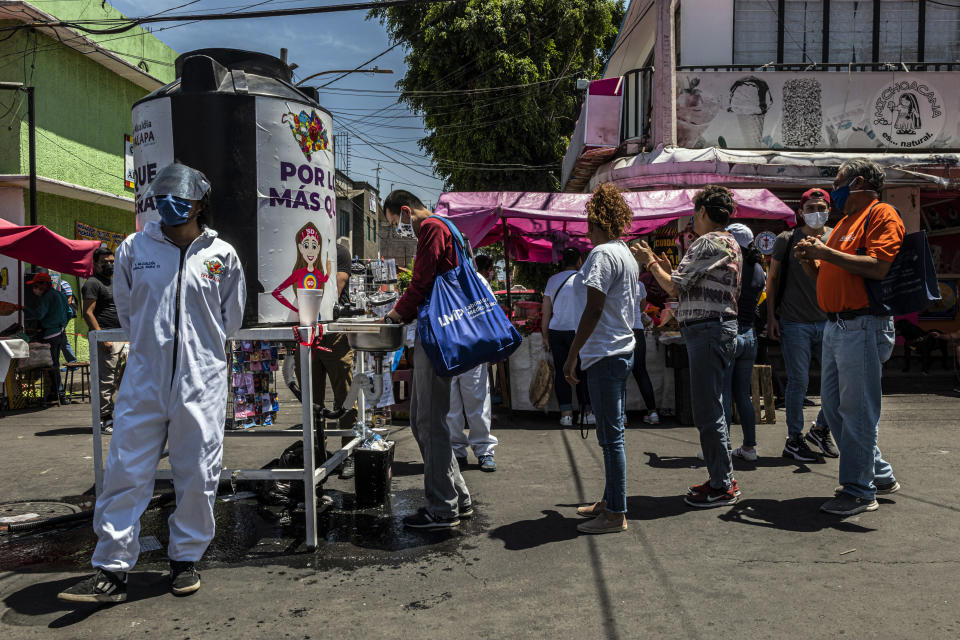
708 278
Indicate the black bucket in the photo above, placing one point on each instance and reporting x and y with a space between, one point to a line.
374 471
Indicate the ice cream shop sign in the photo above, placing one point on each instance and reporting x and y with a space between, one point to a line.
810 111
907 114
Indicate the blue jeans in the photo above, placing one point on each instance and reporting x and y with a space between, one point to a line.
640 370
607 383
57 344
560 342
710 349
853 355
798 342
744 355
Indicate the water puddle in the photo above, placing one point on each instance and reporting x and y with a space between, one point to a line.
251 534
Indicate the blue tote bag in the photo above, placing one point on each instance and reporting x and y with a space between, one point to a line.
911 283
460 324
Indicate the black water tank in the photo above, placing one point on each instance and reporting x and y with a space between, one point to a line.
267 148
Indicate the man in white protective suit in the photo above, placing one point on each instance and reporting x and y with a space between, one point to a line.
179 292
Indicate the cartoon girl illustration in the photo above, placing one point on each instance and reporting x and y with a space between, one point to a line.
908 114
305 274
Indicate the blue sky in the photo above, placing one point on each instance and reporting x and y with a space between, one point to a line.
317 43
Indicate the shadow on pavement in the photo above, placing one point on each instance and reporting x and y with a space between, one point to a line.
37 604
65 431
401 468
688 462
797 514
527 534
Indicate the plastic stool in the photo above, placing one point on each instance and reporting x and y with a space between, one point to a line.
68 380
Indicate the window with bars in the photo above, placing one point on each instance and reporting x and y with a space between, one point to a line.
802 31
851 31
754 31
860 31
942 32
899 30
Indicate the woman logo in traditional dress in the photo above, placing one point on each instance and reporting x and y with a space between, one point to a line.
305 274
908 114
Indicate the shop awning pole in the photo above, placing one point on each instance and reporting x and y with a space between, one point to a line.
505 393
506 261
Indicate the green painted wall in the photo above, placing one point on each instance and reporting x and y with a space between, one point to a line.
82 114
136 45
82 108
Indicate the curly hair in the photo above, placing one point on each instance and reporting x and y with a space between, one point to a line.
718 201
608 210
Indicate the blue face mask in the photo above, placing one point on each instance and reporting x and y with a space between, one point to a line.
173 211
839 196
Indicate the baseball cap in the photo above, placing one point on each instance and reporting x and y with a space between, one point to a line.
814 193
40 277
741 233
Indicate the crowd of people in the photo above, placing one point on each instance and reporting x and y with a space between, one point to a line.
816 303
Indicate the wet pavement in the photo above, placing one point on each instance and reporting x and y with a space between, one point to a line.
771 566
253 534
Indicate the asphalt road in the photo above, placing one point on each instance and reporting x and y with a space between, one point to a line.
771 566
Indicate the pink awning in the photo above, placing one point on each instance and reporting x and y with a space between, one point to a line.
537 220
39 246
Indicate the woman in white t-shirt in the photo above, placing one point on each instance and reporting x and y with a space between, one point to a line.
563 300
605 342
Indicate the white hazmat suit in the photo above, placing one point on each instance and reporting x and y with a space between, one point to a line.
178 307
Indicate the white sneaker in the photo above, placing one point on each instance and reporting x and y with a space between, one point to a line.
652 418
745 454
566 421
590 419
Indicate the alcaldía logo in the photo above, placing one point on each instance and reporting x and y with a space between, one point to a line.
308 131
214 267
907 114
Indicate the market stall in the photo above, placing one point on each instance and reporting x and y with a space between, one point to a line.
41 247
537 227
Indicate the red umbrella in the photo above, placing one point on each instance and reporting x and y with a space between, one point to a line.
38 245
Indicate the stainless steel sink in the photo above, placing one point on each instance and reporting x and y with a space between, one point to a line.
370 335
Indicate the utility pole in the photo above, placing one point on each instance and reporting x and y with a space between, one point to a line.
378 169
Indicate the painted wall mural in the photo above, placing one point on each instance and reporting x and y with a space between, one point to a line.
808 111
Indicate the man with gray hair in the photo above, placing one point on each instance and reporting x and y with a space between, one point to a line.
856 341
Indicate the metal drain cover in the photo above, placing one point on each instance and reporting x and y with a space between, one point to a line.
34 511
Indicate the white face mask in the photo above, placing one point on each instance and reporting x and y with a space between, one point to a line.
404 229
816 219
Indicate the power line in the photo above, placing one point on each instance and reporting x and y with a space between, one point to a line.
125 24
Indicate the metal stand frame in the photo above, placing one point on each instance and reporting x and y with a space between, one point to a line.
311 474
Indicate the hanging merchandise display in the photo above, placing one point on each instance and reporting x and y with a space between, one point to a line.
253 384
267 145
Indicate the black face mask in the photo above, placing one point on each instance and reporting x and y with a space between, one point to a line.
107 269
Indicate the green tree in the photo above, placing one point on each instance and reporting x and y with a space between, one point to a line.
459 55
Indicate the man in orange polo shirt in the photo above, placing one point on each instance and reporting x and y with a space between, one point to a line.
856 342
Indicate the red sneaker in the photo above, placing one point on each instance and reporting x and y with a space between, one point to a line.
712 498
705 487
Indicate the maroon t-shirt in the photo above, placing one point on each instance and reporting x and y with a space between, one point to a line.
436 254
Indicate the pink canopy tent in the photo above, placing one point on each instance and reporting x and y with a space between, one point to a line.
534 221
39 246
